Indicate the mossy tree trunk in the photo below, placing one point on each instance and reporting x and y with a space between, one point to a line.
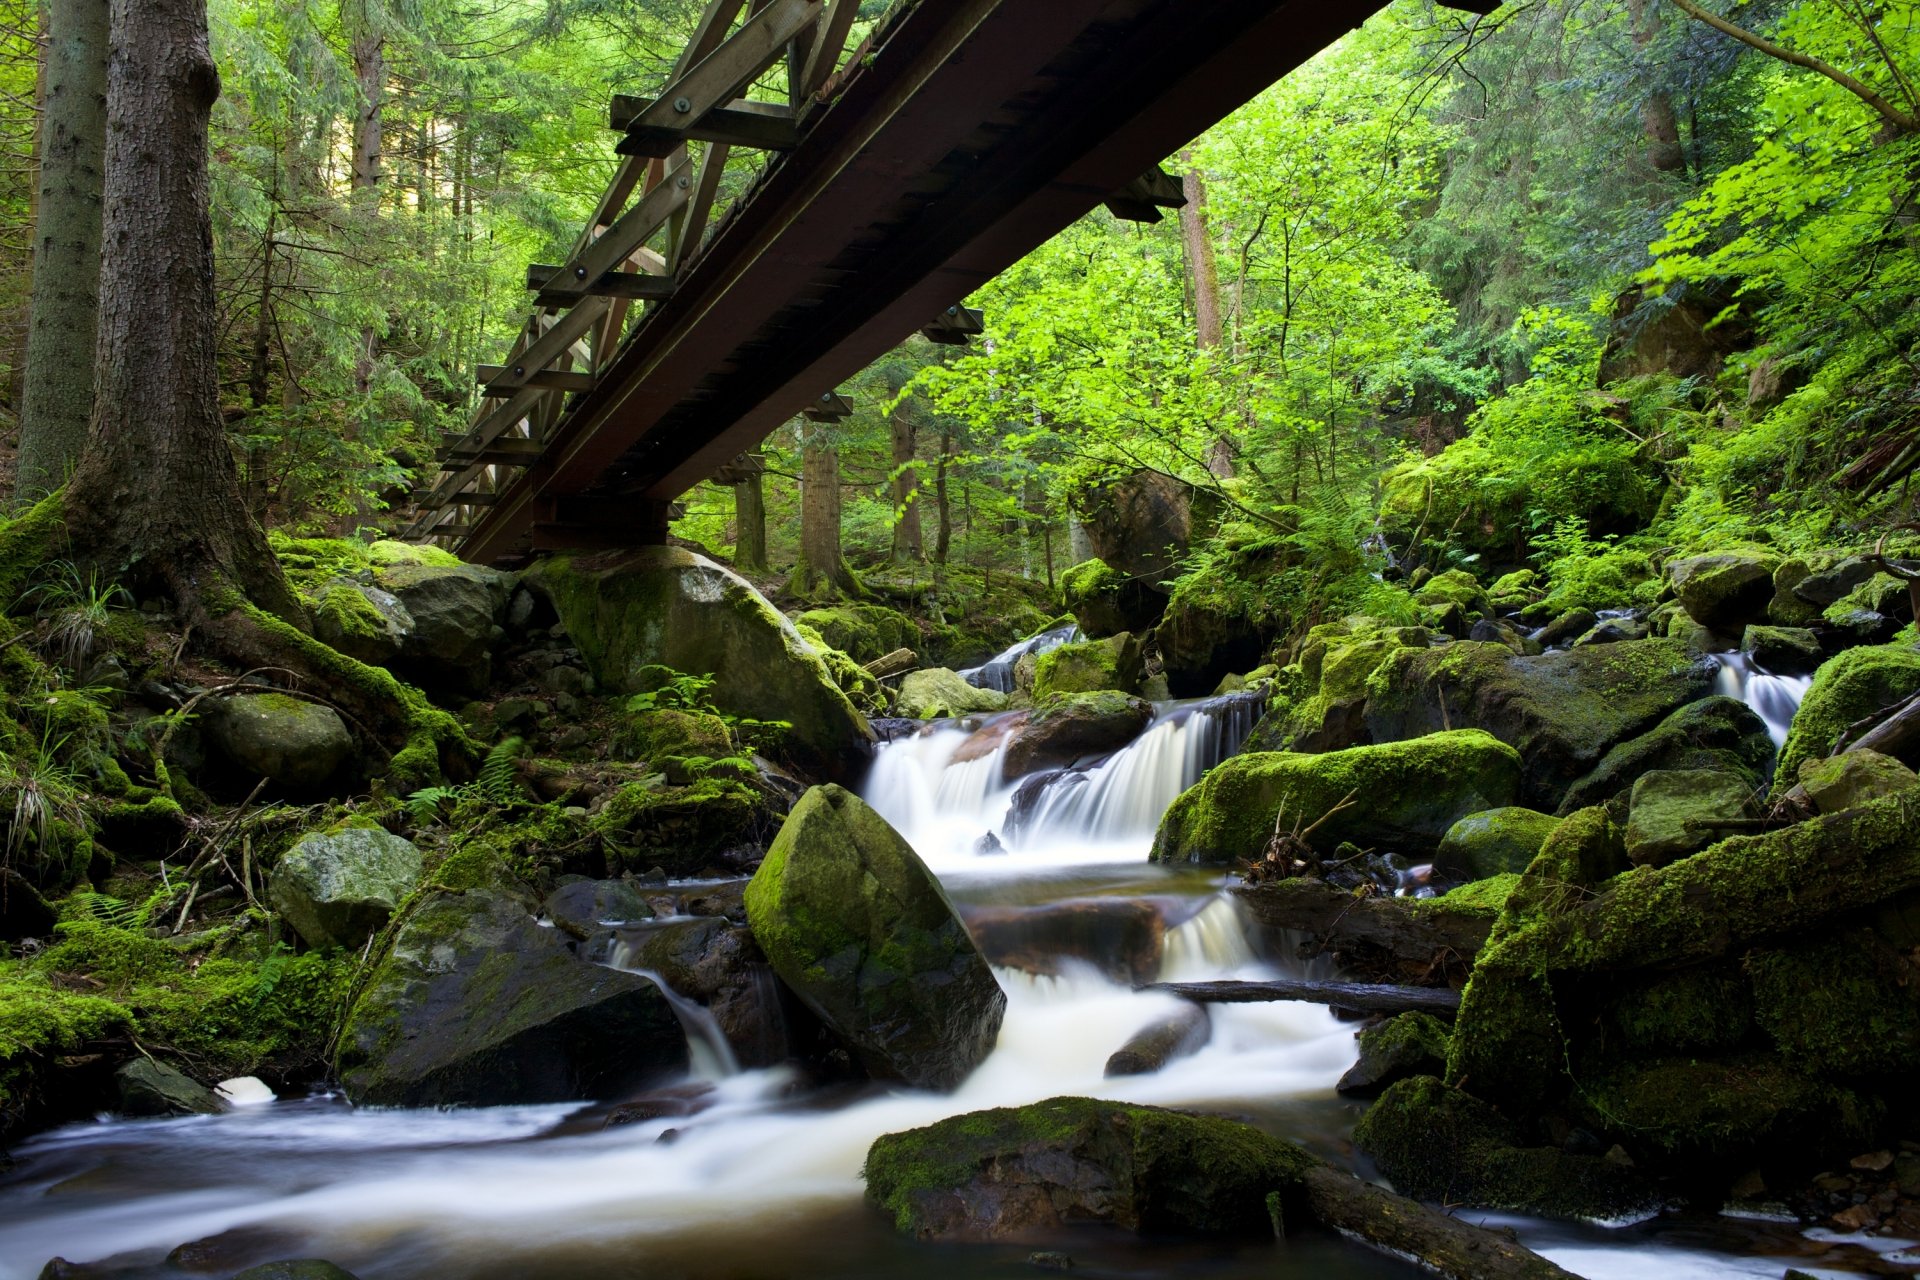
822 566
908 547
57 397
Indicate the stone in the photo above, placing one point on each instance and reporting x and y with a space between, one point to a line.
1786 651
1725 589
362 621
1180 1034
936 693
587 907
717 963
1063 728
296 1269
1399 1048
1495 631
863 631
1089 666
456 610
149 1088
1494 842
1614 631
1673 811
474 1004
1105 601
1831 585
1787 609
1718 733
1406 797
864 934
299 745
1143 523
668 733
1209 630
1023 1173
668 607
1567 628
1124 938
1846 689
339 888
1853 778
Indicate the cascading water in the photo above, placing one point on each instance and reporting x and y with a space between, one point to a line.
1775 699
997 672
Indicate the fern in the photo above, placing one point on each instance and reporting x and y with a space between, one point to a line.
497 781
425 803
105 909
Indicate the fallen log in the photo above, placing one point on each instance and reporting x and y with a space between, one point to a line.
1408 1229
1422 939
1362 997
1155 1045
899 662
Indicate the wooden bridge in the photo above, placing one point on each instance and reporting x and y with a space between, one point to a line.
897 178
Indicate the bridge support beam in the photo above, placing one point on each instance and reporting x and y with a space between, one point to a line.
597 523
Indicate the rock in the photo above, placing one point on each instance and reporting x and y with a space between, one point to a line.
1517 590
715 823
1687 332
1404 939
1567 628
1401 1047
1444 1245
295 744
1089 666
586 907
1831 585
1718 733
852 920
1674 809
338 888
1494 631
1142 524
1853 778
1121 937
658 736
1209 631
1455 587
1846 689
296 1269
361 621
1063 728
1026 1172
1178 1035
863 631
1493 842
149 1088
667 607
1726 589
1614 631
245 1091
476 1005
1781 650
456 610
1787 609
938 694
1838 1008
716 963
1406 796
1105 601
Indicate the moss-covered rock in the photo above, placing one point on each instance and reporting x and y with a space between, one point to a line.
1454 587
1718 733
339 888
1724 590
1702 1010
936 693
295 744
362 621
863 631
1214 624
456 611
1065 727
1025 1172
1494 842
1675 811
1839 1007
1787 609
708 824
668 733
1781 650
150 1088
1105 601
853 921
1089 666
1846 689
1337 663
1403 1046
1406 796
1853 777
664 606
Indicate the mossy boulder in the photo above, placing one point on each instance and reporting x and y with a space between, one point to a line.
1406 796
1454 587
1562 711
1781 650
150 1088
299 745
583 908
1214 624
1495 842
1726 589
1841 1007
863 631
667 607
1717 733
716 823
1088 666
1676 812
936 693
1401 1047
296 1269
1065 727
856 925
1846 689
1105 601
1026 1172
339 888
1337 663
456 611
1567 628
1852 778
669 733
1787 609
475 1004
362 621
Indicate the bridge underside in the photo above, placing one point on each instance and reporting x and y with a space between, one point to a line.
969 134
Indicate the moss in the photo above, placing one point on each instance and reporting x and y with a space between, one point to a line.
1725 1114
1845 689
864 631
1699 1010
1487 897
1495 841
1714 733
1087 581
310 563
28 542
1088 666
656 735
683 829
1838 1006
1456 587
385 554
38 1021
859 684
348 613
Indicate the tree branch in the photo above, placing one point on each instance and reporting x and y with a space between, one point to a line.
1893 115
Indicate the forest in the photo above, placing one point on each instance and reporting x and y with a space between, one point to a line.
1353 711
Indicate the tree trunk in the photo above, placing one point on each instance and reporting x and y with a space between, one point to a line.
57 397
368 49
943 536
750 522
907 545
1203 276
822 564
1659 123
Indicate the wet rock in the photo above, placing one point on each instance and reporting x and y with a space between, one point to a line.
936 693
989 846
668 734
1403 939
863 631
1494 841
1405 796
1105 601
1567 628
295 744
338 888
1063 728
1178 1035
1401 1047
1023 1173
1121 937
149 1088
857 926
1494 631
1089 666
1853 778
361 621
1846 689
296 1269
1614 631
1781 650
476 1005
586 907
1455 587
1674 812
717 963
1725 589
1142 524
1717 733
456 610
231 1250
1831 585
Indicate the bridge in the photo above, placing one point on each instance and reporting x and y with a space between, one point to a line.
896 178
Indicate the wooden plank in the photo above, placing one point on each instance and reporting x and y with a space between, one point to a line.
509 451
718 78
829 42
831 407
1142 199
1363 997
549 346
766 126
614 284
955 325
610 251
693 225
547 379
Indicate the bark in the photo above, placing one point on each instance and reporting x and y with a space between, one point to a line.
822 565
57 398
943 510
368 48
1659 123
908 547
1406 1228
1362 997
750 522
1203 276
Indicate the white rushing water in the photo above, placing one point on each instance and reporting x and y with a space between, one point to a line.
1773 698
997 672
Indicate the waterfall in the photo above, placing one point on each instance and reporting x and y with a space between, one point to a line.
1773 698
997 672
709 1056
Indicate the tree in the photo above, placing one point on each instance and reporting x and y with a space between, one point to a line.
822 566
750 519
58 395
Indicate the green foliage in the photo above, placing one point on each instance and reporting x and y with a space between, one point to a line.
495 783
74 608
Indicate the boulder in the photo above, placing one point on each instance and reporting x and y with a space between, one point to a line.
362 621
668 607
1567 628
456 611
1455 587
1726 589
1494 842
295 1269
853 921
863 631
712 824
1853 778
1495 631
149 1088
1089 666
1686 332
1714 733
1406 796
1026 1172
1781 650
668 733
1399 1048
1674 812
1830 585
1845 690
1063 728
1105 601
1122 937
1787 609
584 908
939 694
1210 628
717 963
1142 524
1614 631
338 888
475 1004
295 744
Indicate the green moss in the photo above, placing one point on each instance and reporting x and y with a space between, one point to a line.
386 554
1495 841
37 1022
1487 897
683 829
1726 1113
28 542
864 631
1845 689
1088 580
656 735
1838 1006
348 613
1700 1010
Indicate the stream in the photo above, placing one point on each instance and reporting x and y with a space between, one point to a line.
764 1182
